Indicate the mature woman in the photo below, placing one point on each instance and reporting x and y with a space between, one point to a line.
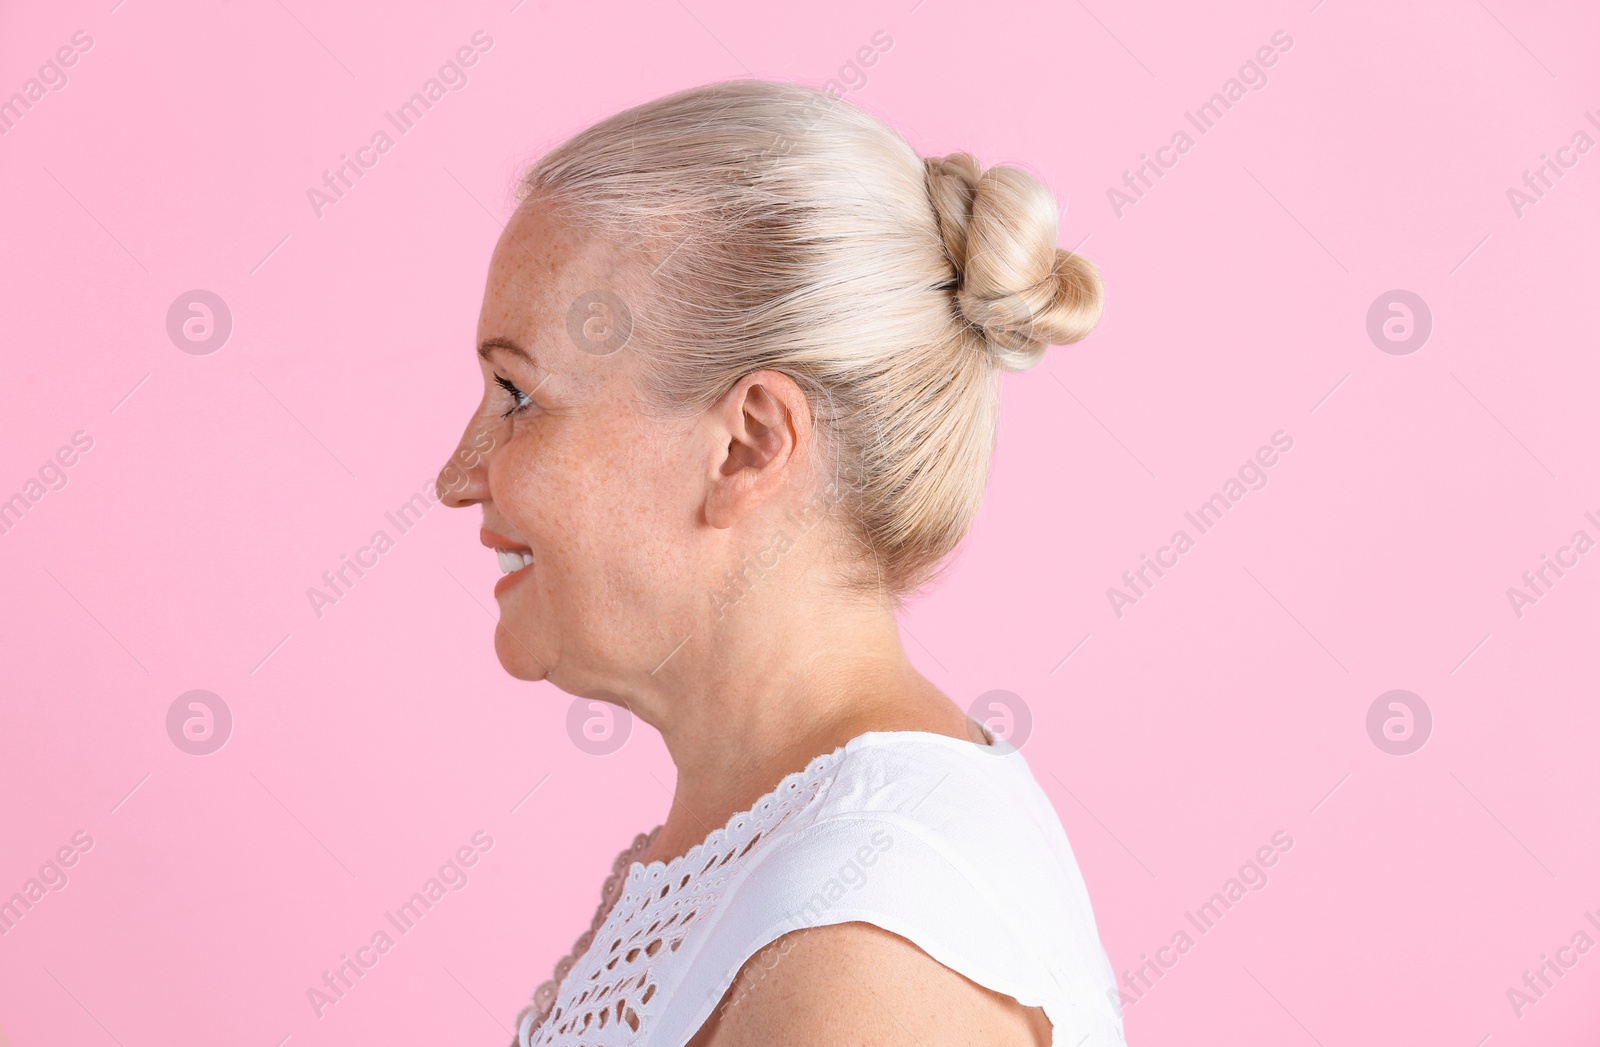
740 351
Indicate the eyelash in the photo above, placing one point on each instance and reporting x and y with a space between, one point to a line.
520 398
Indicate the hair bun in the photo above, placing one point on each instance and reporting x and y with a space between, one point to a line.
1012 282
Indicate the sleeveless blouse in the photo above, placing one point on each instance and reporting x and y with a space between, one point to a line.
948 843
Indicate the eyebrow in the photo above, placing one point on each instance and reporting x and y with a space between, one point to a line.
489 345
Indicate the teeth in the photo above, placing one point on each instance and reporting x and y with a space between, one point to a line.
512 560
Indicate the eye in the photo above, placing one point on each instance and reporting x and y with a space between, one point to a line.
519 398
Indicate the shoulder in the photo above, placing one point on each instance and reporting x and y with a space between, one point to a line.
911 818
857 983
941 860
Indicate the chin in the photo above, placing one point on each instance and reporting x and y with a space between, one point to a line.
516 658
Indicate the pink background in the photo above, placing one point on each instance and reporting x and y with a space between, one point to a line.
1228 704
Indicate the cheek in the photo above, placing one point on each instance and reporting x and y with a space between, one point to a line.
567 498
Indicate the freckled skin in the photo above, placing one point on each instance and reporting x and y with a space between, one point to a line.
633 523
593 487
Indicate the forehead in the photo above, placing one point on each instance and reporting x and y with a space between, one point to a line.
541 266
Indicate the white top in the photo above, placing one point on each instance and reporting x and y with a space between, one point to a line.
950 844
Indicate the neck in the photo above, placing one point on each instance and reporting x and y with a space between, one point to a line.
770 693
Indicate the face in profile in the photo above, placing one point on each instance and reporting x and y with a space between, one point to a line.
585 498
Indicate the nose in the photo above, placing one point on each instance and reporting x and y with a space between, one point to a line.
464 480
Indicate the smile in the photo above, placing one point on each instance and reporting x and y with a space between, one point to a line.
513 559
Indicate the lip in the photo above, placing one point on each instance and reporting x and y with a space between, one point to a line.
496 541
508 580
500 541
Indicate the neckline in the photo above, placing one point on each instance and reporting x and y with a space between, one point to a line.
639 870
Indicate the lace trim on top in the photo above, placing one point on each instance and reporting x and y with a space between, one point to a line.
544 997
607 995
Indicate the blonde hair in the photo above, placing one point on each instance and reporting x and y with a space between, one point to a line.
790 230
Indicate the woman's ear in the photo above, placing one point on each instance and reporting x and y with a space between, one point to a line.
763 431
